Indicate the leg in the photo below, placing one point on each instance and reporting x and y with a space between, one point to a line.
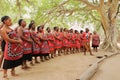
31 59
41 57
26 66
96 49
5 74
59 52
89 49
85 48
55 53
23 64
52 54
36 61
13 72
1 60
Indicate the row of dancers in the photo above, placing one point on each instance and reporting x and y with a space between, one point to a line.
25 43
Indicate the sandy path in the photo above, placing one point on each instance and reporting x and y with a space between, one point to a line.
109 69
67 67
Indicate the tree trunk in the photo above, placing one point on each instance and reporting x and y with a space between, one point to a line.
108 11
110 29
110 41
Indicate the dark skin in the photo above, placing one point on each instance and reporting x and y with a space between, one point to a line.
40 31
4 30
33 37
21 35
20 32
55 35
35 40
87 47
49 30
65 34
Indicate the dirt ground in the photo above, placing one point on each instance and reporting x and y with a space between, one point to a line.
109 69
65 67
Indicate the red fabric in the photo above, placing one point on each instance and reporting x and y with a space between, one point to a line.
69 43
36 47
13 51
51 41
57 41
95 40
86 37
44 45
61 37
77 41
66 41
81 39
27 46
73 40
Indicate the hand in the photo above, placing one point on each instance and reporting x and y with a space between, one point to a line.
20 41
30 41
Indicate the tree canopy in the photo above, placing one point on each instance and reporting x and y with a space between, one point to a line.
53 12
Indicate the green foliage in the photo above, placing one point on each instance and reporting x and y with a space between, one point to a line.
50 12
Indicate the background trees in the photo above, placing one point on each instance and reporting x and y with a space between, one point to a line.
101 13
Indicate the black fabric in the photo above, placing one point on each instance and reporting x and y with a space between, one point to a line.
8 64
3 45
94 46
27 57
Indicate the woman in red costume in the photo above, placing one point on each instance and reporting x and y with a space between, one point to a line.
24 34
73 41
77 40
44 44
81 40
13 51
95 41
36 42
57 40
61 37
51 40
86 41
65 43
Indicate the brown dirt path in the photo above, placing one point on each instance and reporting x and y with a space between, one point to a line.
65 67
109 69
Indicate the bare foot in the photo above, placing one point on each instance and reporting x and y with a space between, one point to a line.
14 74
5 77
91 54
42 60
37 62
1 69
31 64
27 67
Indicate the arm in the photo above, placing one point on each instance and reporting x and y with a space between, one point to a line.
42 38
55 36
6 37
34 39
20 33
65 36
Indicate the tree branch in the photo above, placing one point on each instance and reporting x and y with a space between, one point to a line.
19 7
94 17
101 3
93 6
118 10
109 1
63 3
